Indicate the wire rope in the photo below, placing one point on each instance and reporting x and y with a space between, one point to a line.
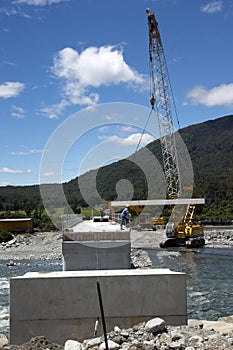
172 94
143 132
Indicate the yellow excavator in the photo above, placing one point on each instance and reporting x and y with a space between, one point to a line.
181 231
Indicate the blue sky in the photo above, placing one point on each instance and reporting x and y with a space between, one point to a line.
61 57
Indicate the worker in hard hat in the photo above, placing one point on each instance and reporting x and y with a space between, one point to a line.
125 217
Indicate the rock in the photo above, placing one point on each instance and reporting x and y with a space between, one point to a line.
140 259
196 339
155 325
73 345
124 334
12 241
117 329
125 346
37 343
92 342
118 339
140 337
3 340
178 344
111 345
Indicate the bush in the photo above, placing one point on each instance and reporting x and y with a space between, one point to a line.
5 236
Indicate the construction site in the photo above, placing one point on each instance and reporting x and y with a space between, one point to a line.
96 254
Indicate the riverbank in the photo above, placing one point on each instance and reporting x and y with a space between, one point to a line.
47 245
39 245
151 335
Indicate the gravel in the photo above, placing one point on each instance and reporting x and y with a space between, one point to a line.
40 245
151 335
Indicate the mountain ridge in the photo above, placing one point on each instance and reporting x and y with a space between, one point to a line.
210 148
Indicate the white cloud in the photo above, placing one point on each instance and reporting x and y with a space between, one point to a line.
11 171
131 140
18 112
12 10
54 110
38 2
128 128
23 153
221 95
14 171
11 89
92 68
5 183
7 63
47 174
212 7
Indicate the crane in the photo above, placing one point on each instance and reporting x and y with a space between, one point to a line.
184 232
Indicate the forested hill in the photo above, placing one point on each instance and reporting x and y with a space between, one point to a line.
210 145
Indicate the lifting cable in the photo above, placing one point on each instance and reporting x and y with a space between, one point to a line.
143 132
172 95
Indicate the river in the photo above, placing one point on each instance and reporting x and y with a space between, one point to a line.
209 276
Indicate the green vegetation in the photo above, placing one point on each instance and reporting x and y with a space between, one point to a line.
211 150
5 236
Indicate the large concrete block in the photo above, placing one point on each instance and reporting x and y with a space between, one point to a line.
64 305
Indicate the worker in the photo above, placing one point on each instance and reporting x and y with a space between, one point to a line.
125 217
101 212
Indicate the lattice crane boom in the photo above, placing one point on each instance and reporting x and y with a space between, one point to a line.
161 103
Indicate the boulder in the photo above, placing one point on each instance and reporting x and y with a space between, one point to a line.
73 345
3 340
90 343
111 345
155 325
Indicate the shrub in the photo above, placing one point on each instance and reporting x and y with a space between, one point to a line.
5 236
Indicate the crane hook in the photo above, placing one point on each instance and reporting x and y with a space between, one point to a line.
152 101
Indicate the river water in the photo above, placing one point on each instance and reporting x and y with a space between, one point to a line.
209 274
22 266
209 278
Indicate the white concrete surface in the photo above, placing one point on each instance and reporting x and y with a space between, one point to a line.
64 305
91 226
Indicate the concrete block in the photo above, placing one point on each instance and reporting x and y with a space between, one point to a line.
96 255
64 305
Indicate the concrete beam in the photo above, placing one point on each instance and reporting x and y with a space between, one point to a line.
159 202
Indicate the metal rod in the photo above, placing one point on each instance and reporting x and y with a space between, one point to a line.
102 315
